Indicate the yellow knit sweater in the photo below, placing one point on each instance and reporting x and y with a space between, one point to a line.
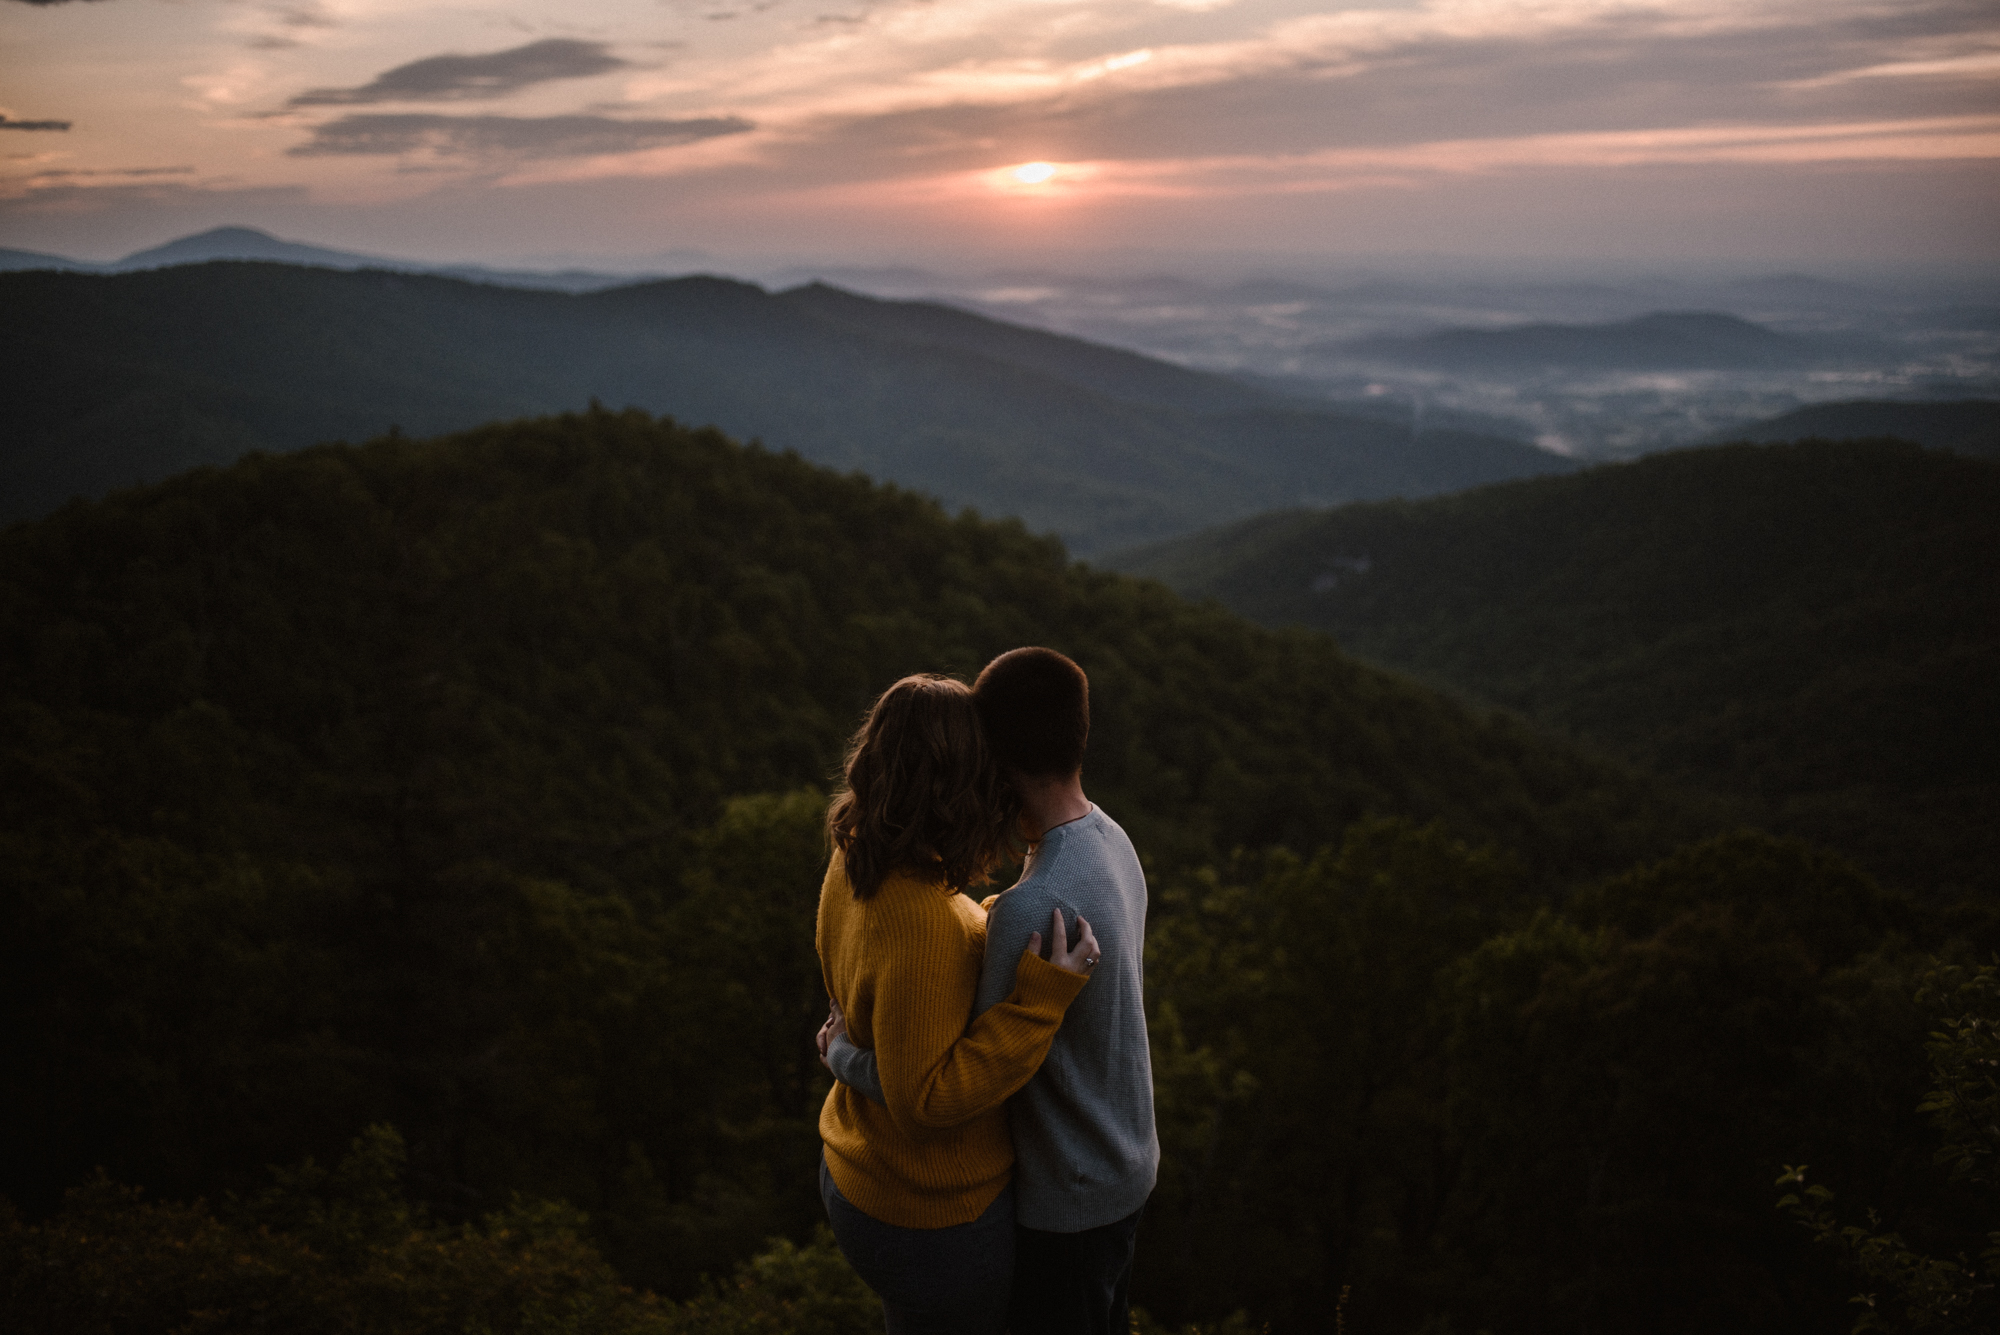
904 965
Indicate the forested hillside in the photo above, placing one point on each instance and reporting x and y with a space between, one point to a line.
1812 626
1964 426
473 787
118 379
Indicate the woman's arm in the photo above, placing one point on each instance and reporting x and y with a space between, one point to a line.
932 1084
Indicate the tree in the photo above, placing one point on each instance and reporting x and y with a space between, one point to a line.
1933 1291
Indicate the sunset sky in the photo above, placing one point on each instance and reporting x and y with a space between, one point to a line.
1791 132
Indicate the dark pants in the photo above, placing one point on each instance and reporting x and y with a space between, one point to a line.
932 1281
1074 1283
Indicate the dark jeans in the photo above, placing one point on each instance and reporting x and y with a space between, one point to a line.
1074 1283
932 1281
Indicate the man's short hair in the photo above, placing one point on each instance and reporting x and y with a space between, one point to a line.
1035 704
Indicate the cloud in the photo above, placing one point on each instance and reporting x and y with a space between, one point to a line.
123 173
451 78
295 17
1381 79
1416 170
1978 65
9 123
1262 119
1965 138
146 203
372 134
306 16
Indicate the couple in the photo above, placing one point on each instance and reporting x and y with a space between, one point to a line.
990 1141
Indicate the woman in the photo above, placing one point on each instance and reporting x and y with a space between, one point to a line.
918 1187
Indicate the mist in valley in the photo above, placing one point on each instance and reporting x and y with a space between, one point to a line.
1922 338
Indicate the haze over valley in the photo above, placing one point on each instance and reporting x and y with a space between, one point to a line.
1613 389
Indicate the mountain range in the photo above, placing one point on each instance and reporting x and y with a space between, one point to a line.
1963 426
128 377
1814 628
250 243
1663 340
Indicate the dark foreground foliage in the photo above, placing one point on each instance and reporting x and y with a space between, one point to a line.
1395 1066
468 786
1906 1287
344 1252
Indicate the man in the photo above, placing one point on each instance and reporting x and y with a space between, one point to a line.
1086 1155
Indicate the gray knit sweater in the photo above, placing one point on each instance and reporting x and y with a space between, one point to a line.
1084 1146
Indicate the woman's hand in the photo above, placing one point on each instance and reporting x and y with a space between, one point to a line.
1080 958
835 1026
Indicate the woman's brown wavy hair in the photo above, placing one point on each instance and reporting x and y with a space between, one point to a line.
923 795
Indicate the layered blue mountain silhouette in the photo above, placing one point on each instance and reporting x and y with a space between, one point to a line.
248 243
1663 340
220 243
14 260
245 243
1963 426
129 377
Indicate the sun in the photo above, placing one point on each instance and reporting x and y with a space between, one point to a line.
1034 173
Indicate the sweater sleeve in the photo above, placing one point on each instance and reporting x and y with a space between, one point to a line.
936 1070
855 1066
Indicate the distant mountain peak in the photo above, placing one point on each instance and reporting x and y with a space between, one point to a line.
248 243
232 236
12 261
